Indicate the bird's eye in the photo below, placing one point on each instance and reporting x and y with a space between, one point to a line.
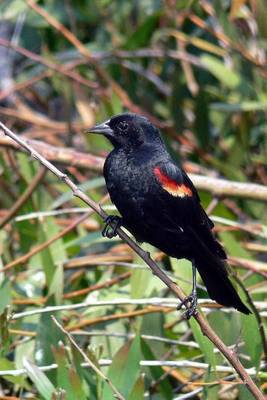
123 126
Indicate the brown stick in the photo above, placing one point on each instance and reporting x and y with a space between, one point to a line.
98 286
49 64
222 187
71 157
44 245
205 328
106 318
65 156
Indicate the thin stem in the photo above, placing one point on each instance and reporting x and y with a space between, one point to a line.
117 394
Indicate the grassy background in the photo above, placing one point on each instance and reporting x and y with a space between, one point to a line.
198 70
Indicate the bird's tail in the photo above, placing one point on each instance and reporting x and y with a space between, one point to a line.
213 272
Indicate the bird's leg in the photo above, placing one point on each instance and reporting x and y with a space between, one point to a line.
112 223
192 298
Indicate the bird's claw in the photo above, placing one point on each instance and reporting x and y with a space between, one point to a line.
112 223
191 308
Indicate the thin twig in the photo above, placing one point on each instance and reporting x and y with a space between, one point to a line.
68 156
44 245
49 64
118 316
117 394
130 336
170 302
257 267
98 286
52 213
143 363
30 82
205 328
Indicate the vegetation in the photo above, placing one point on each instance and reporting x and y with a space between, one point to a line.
198 71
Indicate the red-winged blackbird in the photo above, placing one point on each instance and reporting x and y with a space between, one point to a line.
160 205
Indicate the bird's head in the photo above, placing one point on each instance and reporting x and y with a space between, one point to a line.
128 131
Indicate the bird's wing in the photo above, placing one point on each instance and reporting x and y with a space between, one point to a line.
179 198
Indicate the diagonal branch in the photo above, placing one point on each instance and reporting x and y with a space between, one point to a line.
204 326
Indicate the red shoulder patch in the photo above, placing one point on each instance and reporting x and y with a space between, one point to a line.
171 186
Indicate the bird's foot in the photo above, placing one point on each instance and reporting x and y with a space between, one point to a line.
191 305
112 223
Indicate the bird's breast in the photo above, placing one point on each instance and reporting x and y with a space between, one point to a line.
129 184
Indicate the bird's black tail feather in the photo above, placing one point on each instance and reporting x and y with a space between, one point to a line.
218 284
213 272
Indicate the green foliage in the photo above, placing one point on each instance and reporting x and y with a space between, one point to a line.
197 68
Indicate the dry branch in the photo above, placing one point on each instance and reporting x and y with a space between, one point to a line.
64 70
60 155
71 157
44 245
204 326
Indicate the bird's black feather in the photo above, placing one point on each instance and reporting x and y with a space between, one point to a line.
160 205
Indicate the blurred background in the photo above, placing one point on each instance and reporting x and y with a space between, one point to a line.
197 70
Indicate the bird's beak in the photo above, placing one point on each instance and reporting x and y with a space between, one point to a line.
103 129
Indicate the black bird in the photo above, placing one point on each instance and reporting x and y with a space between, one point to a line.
160 205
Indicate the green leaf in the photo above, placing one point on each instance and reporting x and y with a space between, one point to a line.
88 185
12 9
124 370
202 123
138 390
63 367
204 343
211 392
227 326
253 348
4 332
197 42
244 393
233 246
57 284
5 294
42 383
144 32
183 273
157 372
141 280
15 380
77 390
261 16
52 257
27 167
48 335
217 68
